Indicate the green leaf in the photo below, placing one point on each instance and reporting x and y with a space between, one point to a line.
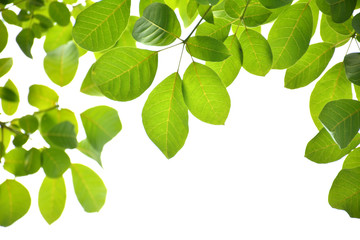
15 162
310 66
10 17
25 40
54 162
235 8
351 63
206 13
341 10
3 36
94 29
192 8
63 135
205 94
52 198
255 16
324 6
356 23
10 98
125 73
332 86
275 3
44 21
8 94
207 48
42 97
290 35
207 2
59 13
89 188
86 148
126 38
20 139
61 64
101 124
344 28
165 116
14 202
328 34
323 149
32 161
88 86
29 123
352 160
258 58
183 10
57 36
5 65
219 30
345 192
228 69
145 3
342 119
158 26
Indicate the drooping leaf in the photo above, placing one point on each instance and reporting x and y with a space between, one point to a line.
344 28
257 58
351 63
93 28
57 36
275 3
89 188
219 30
10 102
88 86
125 73
5 65
158 26
328 34
342 119
29 123
228 69
356 23
101 124
3 36
63 135
341 10
290 35
165 116
52 198
42 97
25 40
54 162
14 202
61 64
332 86
205 94
207 48
323 149
59 13
310 65
86 148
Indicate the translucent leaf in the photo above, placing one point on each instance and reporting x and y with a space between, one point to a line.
207 48
158 26
63 135
290 35
52 198
165 116
332 86
228 69
42 97
235 8
205 94
29 123
275 3
9 103
15 162
101 124
89 188
344 28
126 38
328 34
32 161
257 58
88 86
57 36
341 10
342 119
255 16
14 202
124 73
192 8
219 30
351 63
25 40
352 160
59 13
206 13
54 162
310 65
5 65
323 149
86 148
183 10
61 64
3 36
207 2
94 28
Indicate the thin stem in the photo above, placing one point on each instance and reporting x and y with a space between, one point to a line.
46 110
169 47
197 25
357 44
182 51
349 46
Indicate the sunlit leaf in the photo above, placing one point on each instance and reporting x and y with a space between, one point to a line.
42 97
59 13
206 13
57 36
219 30
145 3
344 28
207 48
15 162
54 162
10 17
88 86
352 160
20 139
3 36
86 148
29 123
324 6
9 103
328 34
275 3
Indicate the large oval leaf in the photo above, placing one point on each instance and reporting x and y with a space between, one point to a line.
54 162
207 48
14 202
99 26
158 26
205 94
351 63
125 73
52 197
89 188
165 116
290 35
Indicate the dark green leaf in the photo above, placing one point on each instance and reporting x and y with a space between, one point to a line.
54 162
20 139
63 135
275 3
24 15
59 13
235 8
207 48
341 10
352 70
324 6
356 23
8 94
32 161
5 65
44 21
29 123
42 97
25 40
255 16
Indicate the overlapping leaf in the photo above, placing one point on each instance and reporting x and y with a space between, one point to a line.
207 48
54 162
59 13
275 3
328 34
352 70
57 36
42 97
219 30
341 10
63 135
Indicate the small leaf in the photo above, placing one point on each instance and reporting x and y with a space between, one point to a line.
165 116
255 16
32 161
101 124
207 48
25 40
351 63
61 64
63 135
44 21
3 36
235 8
206 13
54 162
93 28
89 188
42 97
342 119
29 123
158 26
10 102
14 202
10 17
275 3
5 65
86 148
59 13
205 95
341 10
20 139
52 198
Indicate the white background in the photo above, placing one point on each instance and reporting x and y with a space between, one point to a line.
245 180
